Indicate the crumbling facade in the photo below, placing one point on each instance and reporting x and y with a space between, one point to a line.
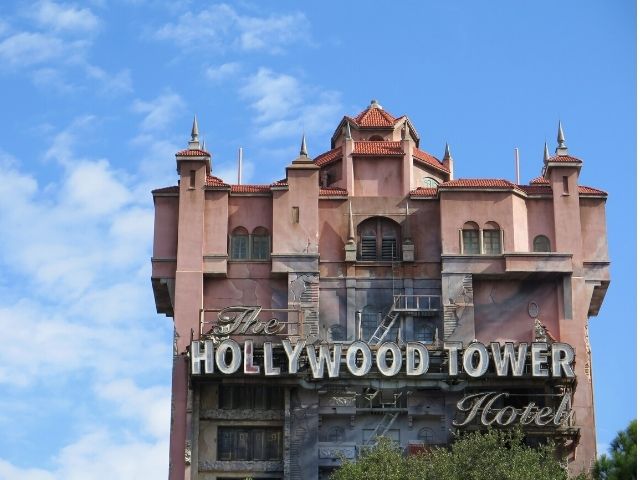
376 242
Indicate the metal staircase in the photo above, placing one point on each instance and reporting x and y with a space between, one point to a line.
382 428
412 304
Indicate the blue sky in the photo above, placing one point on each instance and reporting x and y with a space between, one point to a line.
98 95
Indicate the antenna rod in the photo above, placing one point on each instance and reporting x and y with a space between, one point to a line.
517 167
240 166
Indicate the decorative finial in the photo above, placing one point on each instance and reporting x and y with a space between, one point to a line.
546 153
405 130
447 153
407 223
347 135
194 143
303 147
374 104
561 149
352 236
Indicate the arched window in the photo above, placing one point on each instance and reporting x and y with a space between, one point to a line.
378 239
491 239
336 435
425 435
470 238
429 182
260 244
541 244
376 138
239 244
243 246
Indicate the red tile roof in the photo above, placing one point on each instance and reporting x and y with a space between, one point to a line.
215 182
424 192
328 157
378 148
479 183
429 159
332 191
250 188
536 189
280 183
193 153
374 117
564 158
539 181
590 191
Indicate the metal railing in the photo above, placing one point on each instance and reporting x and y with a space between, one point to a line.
417 303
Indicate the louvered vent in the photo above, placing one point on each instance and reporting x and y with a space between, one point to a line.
389 249
368 248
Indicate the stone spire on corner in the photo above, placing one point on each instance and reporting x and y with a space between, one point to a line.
303 147
545 155
194 143
561 149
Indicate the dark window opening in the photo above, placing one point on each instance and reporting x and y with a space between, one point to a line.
256 246
262 444
378 239
253 397
541 244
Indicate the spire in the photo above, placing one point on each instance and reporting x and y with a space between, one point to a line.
352 237
347 135
303 147
194 143
561 149
545 156
447 153
447 160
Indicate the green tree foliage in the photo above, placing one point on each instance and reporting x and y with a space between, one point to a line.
622 463
496 454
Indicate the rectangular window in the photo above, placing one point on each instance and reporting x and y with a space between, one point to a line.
192 179
250 443
491 242
259 247
565 185
470 242
240 247
295 214
253 397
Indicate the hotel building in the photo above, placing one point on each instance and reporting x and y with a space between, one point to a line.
375 241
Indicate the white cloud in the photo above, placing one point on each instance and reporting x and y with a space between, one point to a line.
28 48
111 83
221 27
149 406
52 79
160 111
64 17
222 72
284 105
99 455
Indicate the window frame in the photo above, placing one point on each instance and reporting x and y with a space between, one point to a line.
254 240
544 238
377 235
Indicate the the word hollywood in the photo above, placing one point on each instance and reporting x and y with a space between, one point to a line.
508 359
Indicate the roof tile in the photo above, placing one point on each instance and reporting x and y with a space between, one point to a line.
429 159
374 117
378 148
332 191
564 158
328 157
424 192
245 188
193 152
479 182
215 182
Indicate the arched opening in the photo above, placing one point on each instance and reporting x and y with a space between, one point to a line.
239 244
260 244
492 239
541 244
378 239
426 436
376 138
470 238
